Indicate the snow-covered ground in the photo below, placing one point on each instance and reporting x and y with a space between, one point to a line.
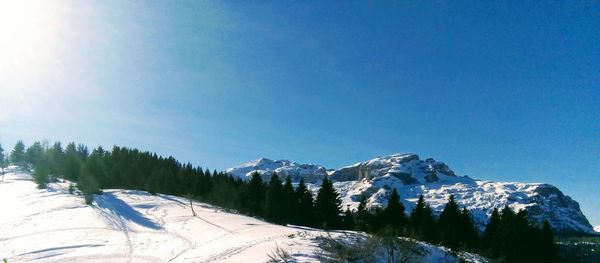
51 225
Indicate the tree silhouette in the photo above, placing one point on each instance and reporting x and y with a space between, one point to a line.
275 201
328 206
393 214
305 216
447 224
17 156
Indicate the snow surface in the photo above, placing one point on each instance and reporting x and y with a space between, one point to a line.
597 228
51 225
412 177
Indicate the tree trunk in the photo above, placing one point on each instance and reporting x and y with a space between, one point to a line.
192 207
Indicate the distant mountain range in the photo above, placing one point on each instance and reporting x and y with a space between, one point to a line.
412 177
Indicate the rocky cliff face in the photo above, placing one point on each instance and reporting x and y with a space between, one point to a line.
412 177
406 167
284 168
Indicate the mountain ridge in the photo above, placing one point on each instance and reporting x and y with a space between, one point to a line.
435 180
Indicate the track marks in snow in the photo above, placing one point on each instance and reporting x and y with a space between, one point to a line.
60 248
215 225
51 231
160 219
239 249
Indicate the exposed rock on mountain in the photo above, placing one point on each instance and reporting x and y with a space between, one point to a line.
284 168
412 177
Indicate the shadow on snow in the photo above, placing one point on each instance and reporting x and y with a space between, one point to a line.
112 204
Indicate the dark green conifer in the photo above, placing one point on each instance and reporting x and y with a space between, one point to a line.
275 201
291 202
305 215
448 225
255 194
17 156
393 214
328 206
362 215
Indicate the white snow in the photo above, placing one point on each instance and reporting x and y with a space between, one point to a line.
51 225
597 228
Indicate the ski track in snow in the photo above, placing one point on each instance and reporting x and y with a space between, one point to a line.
227 253
161 221
118 222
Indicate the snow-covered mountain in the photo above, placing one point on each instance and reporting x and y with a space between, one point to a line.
51 225
265 167
412 177
597 228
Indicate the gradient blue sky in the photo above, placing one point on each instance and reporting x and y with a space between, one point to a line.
506 91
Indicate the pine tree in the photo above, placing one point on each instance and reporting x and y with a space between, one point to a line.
416 216
422 221
506 231
548 250
447 224
469 236
2 158
40 175
255 195
291 202
430 225
87 184
274 201
72 162
97 164
35 153
328 206
17 156
362 215
305 215
490 233
56 161
348 219
393 214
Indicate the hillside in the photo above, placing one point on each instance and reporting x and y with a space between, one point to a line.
51 225
412 177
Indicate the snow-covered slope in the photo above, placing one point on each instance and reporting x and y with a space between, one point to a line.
412 177
51 225
265 167
597 228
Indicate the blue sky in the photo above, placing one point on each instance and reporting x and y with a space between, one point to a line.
506 91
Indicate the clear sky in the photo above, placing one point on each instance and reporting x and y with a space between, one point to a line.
506 91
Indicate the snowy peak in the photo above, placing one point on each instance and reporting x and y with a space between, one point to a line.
407 167
411 176
597 228
284 168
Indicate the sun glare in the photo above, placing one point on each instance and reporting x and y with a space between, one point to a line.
26 32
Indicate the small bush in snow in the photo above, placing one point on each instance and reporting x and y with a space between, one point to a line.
279 255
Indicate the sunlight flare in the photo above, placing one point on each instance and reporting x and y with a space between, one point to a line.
27 33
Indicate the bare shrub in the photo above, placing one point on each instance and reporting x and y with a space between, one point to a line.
279 255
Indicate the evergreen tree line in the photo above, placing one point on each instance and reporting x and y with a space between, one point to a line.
509 236
124 168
